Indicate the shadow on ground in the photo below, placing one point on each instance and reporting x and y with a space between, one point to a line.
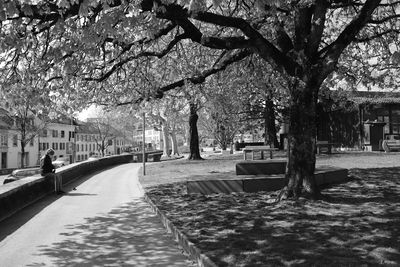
359 225
130 235
15 221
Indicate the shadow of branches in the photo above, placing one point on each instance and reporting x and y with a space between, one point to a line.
130 235
359 225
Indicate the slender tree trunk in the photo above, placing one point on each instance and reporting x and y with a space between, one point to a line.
222 136
194 135
165 133
22 155
302 132
270 127
174 143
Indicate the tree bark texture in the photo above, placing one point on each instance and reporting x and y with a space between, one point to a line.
302 133
174 143
165 133
194 135
269 123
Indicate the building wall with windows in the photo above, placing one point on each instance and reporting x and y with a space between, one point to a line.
153 138
10 151
64 136
86 145
60 137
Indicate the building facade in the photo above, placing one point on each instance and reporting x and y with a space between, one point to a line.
70 141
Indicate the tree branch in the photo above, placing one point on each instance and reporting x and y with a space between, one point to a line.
256 41
158 54
332 52
198 78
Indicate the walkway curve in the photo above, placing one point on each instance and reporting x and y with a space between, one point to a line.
105 222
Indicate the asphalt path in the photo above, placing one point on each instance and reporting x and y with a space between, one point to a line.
104 222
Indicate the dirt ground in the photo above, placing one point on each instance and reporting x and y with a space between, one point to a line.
357 225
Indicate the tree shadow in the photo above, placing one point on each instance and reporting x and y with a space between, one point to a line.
15 221
359 225
130 235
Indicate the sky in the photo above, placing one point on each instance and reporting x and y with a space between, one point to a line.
90 112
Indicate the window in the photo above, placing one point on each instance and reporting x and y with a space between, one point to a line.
55 146
110 142
4 140
86 148
62 134
15 140
31 142
43 146
55 133
86 138
62 146
44 133
79 157
77 148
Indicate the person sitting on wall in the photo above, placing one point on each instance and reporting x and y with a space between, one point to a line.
48 169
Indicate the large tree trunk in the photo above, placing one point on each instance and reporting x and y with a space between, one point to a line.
194 135
270 127
302 132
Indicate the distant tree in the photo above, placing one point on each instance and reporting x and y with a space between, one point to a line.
28 109
224 114
104 132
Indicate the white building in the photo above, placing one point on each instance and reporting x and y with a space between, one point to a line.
67 139
10 144
60 136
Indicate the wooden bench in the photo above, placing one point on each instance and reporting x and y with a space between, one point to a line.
262 149
324 144
391 145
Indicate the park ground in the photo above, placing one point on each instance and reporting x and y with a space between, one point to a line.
358 223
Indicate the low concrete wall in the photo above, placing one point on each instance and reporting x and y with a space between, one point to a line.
261 167
324 175
19 194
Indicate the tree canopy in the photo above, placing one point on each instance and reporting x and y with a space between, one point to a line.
127 51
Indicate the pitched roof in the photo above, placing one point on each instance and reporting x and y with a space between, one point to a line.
374 97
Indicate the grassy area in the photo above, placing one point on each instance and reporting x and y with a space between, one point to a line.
359 225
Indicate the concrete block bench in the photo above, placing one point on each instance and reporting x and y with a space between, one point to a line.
261 167
324 175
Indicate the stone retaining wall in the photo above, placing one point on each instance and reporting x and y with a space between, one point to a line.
19 194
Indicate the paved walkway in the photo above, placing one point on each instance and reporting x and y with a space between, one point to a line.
105 222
